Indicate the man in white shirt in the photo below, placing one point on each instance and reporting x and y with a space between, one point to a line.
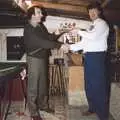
94 46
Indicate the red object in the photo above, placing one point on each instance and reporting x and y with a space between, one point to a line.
20 114
16 89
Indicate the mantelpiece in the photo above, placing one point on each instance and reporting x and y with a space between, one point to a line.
10 34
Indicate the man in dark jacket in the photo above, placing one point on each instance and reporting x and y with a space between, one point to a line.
38 42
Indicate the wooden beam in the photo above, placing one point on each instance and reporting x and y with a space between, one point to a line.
62 13
65 7
74 2
69 2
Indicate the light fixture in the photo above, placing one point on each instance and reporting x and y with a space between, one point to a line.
24 4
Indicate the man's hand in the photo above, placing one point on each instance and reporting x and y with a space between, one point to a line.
65 48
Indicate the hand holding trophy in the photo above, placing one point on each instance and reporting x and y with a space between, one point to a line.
65 48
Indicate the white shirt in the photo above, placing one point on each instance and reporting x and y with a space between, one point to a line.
94 39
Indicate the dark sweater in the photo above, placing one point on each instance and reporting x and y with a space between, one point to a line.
38 41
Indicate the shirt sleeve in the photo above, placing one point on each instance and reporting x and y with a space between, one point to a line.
98 30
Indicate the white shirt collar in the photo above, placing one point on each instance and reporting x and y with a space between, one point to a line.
96 20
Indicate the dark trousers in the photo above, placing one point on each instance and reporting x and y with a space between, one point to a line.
38 84
97 86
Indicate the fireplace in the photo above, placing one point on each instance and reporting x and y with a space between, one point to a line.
12 47
15 47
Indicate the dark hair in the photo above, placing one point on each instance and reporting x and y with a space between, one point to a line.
44 12
95 5
31 11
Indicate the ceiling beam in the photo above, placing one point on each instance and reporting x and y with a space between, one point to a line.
78 11
62 13
69 2
60 6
